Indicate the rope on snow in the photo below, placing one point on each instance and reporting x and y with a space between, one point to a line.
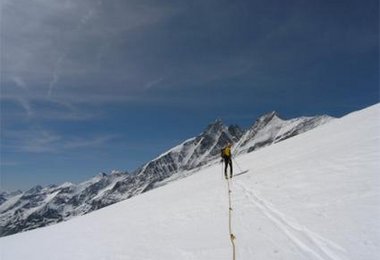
232 236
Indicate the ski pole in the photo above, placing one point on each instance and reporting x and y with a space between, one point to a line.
237 164
221 162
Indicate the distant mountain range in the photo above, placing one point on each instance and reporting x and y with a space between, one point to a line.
41 206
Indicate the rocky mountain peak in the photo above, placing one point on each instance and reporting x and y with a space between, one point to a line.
214 127
102 174
235 131
39 206
34 190
268 117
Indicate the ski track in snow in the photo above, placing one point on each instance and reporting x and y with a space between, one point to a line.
306 240
333 172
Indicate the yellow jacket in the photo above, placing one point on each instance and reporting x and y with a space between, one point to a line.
226 152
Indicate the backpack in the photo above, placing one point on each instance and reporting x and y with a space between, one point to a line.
223 153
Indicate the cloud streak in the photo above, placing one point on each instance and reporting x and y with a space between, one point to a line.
64 41
86 18
44 141
79 50
79 75
97 52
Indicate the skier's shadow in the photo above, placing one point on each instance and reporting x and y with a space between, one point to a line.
241 173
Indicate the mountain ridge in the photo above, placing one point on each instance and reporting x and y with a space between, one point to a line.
314 196
41 206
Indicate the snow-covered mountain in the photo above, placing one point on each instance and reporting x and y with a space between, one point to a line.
41 206
194 152
314 196
270 129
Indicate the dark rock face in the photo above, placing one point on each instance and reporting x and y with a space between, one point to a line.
40 206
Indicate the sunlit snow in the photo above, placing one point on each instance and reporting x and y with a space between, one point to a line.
313 196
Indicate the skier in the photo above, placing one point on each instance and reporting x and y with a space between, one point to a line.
226 155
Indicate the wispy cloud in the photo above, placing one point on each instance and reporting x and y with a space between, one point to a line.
153 83
33 141
97 141
8 163
40 109
56 74
105 51
19 82
25 104
83 51
77 43
57 71
43 141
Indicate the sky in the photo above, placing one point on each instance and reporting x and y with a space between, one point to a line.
95 86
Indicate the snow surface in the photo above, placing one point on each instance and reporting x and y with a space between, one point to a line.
313 196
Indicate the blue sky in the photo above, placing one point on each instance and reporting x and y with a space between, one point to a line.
91 86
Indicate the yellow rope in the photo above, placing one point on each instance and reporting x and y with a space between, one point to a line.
232 236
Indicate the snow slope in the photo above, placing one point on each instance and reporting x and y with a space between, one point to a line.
32 210
314 196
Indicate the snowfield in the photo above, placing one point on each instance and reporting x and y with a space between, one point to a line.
313 196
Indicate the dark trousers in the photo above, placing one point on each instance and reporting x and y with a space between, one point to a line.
227 161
